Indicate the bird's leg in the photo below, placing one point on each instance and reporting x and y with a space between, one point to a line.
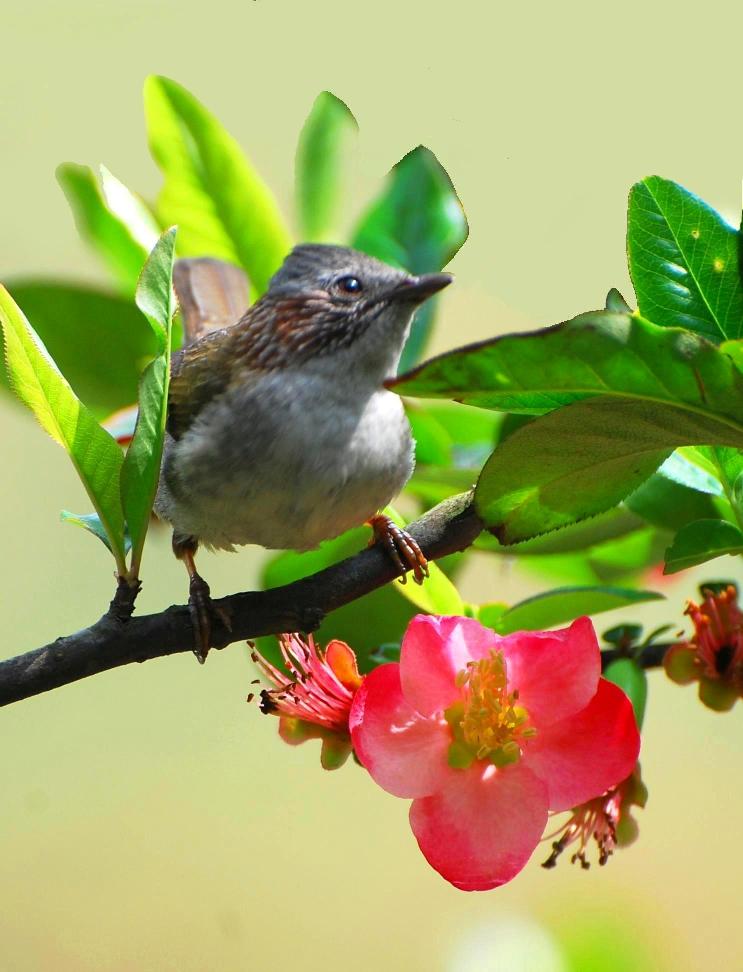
200 603
402 548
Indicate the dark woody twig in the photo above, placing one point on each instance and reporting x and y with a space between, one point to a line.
117 639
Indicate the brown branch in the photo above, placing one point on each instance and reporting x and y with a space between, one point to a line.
119 640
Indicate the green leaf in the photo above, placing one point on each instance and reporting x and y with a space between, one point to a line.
617 522
432 484
600 353
701 541
734 349
618 561
490 614
222 207
131 209
437 594
109 236
667 504
683 259
155 296
623 635
318 167
585 458
622 559
100 343
564 604
141 468
39 384
615 302
417 223
433 444
633 681
92 523
680 468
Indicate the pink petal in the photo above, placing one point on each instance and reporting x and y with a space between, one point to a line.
583 756
433 650
405 752
482 827
555 672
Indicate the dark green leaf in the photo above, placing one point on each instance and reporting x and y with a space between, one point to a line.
564 604
633 680
623 635
699 542
600 353
222 208
716 587
100 343
318 167
683 260
141 469
585 458
617 522
109 235
40 385
417 223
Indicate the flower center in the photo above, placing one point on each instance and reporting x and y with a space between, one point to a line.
487 722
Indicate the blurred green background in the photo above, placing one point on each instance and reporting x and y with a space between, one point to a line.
150 818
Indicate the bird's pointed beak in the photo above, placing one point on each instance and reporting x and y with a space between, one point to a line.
415 290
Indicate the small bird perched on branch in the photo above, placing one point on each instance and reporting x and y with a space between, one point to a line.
280 430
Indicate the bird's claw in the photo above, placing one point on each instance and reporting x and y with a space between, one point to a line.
203 610
401 547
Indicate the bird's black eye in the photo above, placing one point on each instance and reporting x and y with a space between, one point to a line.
349 285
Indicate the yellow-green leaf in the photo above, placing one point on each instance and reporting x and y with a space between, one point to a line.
40 385
221 205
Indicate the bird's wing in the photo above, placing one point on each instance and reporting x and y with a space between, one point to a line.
198 373
212 295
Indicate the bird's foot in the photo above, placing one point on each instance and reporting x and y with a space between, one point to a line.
203 612
401 547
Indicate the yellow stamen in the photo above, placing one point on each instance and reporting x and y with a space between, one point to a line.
488 723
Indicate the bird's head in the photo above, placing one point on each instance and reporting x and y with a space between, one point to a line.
332 301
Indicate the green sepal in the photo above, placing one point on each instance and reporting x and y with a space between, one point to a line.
632 679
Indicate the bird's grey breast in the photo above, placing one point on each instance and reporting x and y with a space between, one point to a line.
286 460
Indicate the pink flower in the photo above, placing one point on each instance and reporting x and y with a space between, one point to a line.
606 819
489 733
713 656
313 699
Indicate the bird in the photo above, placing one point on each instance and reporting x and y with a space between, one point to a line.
280 430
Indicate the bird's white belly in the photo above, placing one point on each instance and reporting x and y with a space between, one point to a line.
286 465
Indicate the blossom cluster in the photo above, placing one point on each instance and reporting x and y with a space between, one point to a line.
486 734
